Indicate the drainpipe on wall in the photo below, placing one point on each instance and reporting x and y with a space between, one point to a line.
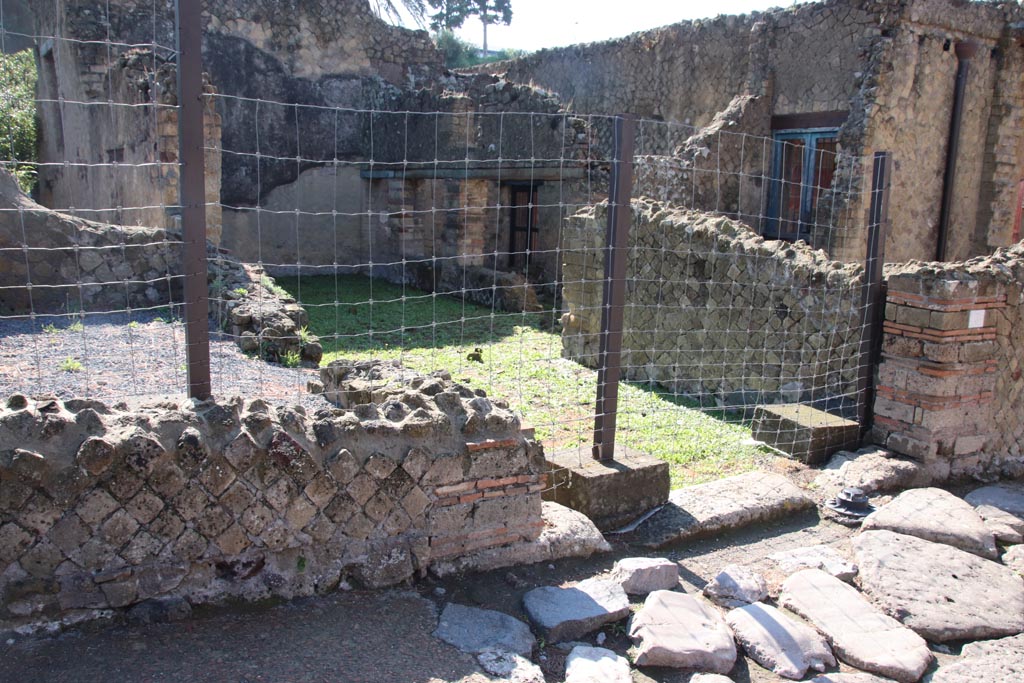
965 50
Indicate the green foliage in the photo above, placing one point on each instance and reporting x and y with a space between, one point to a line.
50 328
277 290
305 336
18 116
359 318
291 359
459 53
69 364
241 291
133 324
76 326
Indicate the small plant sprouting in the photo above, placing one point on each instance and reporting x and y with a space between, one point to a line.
76 326
305 336
291 359
50 328
276 289
69 364
241 291
134 324
301 564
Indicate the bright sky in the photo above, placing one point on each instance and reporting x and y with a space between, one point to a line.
552 23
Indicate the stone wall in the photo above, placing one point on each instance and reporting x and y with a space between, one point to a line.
717 313
949 390
109 506
52 262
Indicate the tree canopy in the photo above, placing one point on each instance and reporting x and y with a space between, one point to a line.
18 116
451 14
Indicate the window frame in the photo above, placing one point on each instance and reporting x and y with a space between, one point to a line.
810 138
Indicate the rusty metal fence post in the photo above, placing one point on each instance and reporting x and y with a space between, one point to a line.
192 190
614 295
873 292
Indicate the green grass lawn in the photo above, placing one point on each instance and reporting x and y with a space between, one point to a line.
359 318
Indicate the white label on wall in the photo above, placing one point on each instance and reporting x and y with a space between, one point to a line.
977 319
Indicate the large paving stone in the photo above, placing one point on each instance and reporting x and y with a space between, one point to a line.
566 533
860 635
821 557
1002 507
720 506
985 662
1014 558
935 515
1006 496
939 591
871 469
736 585
859 677
677 630
587 664
779 643
709 678
568 613
1007 528
641 575
475 630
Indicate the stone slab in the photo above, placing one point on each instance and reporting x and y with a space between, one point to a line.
678 630
1006 527
476 630
779 643
587 664
723 505
641 575
709 678
821 557
1002 508
935 515
611 493
871 469
1014 558
566 533
859 634
939 591
858 677
1006 496
510 667
804 432
568 613
735 586
988 660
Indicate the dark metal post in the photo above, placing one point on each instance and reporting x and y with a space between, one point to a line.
965 51
192 189
872 302
614 295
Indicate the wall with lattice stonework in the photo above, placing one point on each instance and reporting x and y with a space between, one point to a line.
107 506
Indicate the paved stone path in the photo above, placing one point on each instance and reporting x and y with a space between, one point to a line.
404 636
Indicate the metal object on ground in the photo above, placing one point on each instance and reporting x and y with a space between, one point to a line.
851 502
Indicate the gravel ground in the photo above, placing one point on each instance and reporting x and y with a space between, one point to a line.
109 359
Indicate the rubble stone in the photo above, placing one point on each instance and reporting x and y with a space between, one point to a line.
736 585
677 630
568 613
779 643
641 575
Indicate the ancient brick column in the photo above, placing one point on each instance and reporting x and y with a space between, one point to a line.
937 379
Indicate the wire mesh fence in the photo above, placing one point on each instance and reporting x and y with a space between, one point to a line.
463 234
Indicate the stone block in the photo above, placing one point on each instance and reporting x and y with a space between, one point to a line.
804 432
611 493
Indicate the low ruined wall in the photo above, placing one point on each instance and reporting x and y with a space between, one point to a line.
715 311
74 264
108 506
949 391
